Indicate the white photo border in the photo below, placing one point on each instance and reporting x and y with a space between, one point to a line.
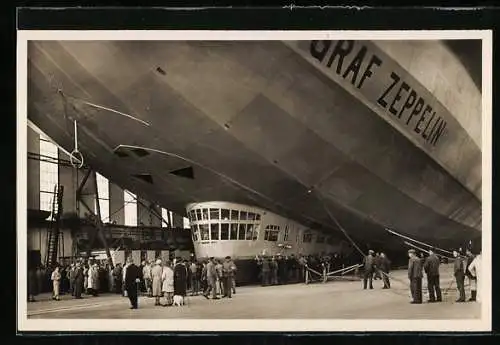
281 325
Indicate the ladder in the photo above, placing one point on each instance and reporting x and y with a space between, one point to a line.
53 227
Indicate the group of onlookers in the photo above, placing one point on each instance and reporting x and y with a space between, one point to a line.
283 269
163 279
156 279
464 266
81 277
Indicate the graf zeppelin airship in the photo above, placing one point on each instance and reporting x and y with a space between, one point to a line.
267 145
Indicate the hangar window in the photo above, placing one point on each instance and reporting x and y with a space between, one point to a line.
307 238
49 173
234 215
224 231
234 232
204 232
130 208
214 232
198 215
257 216
103 192
271 233
251 216
243 215
214 214
166 218
224 214
241 232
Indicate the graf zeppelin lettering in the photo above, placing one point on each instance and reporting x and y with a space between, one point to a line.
397 97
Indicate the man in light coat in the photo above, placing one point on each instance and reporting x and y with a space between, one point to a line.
475 270
56 283
147 276
168 283
156 281
211 279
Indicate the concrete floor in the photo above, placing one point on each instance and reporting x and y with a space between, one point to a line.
335 300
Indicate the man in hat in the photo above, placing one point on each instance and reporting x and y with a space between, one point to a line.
78 281
415 276
475 270
148 277
369 267
227 277
431 268
132 274
459 273
470 276
156 281
211 279
180 278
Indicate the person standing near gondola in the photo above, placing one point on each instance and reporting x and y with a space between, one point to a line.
431 268
459 273
369 267
56 283
78 282
415 276
168 283
180 278
132 275
475 270
156 281
470 276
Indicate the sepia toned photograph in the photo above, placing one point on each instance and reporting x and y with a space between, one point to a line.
305 181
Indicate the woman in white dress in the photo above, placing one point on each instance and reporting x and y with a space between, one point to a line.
168 283
475 270
156 276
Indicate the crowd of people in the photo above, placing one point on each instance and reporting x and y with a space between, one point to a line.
377 265
212 277
283 269
216 278
81 277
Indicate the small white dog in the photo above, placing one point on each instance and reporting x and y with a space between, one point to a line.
178 300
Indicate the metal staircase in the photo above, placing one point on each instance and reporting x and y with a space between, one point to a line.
53 227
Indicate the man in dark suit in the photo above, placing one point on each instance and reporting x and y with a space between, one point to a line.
132 279
180 277
78 282
415 276
459 273
431 268
369 267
